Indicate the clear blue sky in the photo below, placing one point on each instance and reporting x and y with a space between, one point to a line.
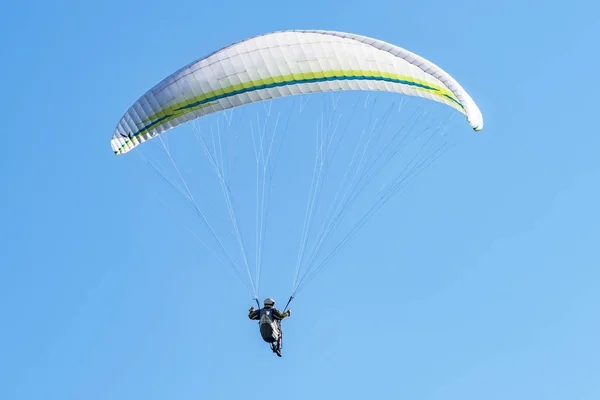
481 282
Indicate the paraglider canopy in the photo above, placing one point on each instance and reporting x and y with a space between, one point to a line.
281 64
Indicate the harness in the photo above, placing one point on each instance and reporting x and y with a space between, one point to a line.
266 318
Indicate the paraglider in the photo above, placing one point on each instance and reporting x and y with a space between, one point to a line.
270 323
277 65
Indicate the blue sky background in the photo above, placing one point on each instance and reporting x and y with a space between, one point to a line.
482 281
